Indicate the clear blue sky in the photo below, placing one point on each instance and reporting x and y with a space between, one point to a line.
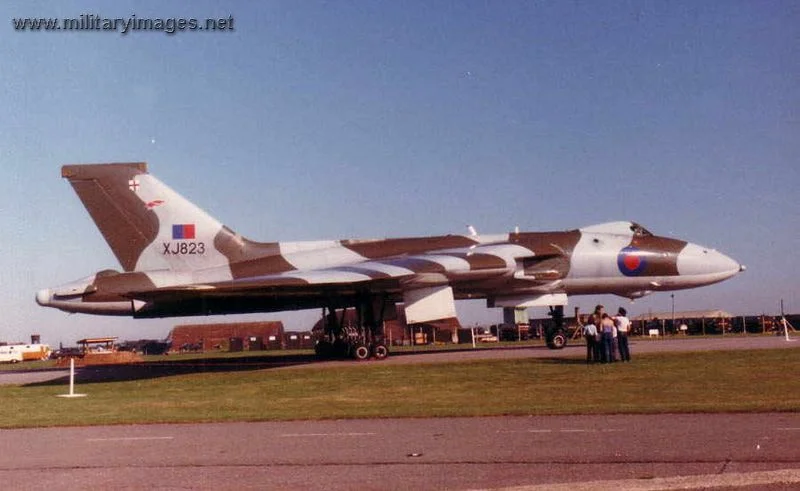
321 120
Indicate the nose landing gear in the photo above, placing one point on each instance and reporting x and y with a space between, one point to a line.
556 336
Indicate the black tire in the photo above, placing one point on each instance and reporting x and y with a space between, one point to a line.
323 349
340 349
361 352
557 340
380 351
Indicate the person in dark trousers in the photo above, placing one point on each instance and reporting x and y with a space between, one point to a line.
607 330
590 334
623 325
596 319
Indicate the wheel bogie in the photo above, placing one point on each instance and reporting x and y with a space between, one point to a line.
356 336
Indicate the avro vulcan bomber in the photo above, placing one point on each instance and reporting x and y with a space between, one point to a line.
179 261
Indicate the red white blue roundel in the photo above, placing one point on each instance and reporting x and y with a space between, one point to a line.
631 262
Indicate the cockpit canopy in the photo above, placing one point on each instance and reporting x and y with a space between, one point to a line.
619 228
640 231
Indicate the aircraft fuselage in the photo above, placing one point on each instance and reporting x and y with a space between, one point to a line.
507 270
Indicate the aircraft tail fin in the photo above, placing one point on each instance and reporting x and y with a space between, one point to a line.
147 225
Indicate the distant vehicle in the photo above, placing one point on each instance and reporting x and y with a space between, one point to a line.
66 353
10 356
27 351
512 332
485 336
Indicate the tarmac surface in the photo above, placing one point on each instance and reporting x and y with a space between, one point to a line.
596 452
671 451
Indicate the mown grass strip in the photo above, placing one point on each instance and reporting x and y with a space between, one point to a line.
734 381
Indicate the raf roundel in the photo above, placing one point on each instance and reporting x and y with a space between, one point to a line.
630 261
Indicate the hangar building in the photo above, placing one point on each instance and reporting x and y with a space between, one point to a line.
231 336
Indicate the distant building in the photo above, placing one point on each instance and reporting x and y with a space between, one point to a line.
101 351
713 321
232 336
298 340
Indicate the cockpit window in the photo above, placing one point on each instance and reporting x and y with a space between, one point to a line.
640 231
107 272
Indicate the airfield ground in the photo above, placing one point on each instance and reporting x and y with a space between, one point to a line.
587 452
712 380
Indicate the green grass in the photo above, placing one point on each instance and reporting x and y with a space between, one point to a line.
735 381
27 366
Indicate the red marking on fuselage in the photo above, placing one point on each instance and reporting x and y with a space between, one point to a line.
632 262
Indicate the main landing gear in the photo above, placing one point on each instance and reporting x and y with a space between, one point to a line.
556 336
360 338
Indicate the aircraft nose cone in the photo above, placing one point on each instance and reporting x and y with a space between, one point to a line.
43 296
698 260
721 263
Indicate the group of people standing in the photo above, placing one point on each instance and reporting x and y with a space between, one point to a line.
606 336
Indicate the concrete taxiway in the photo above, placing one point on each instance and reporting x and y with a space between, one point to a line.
453 453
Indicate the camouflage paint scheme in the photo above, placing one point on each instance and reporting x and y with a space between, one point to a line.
177 260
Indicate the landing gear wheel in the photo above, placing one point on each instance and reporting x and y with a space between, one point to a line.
361 352
558 340
340 349
380 351
323 349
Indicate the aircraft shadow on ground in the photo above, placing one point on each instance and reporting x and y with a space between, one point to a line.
467 349
567 361
168 368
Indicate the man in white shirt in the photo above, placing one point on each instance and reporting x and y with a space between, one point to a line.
623 325
590 333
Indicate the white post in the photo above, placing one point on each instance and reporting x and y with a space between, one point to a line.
71 381
72 377
472 330
785 328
